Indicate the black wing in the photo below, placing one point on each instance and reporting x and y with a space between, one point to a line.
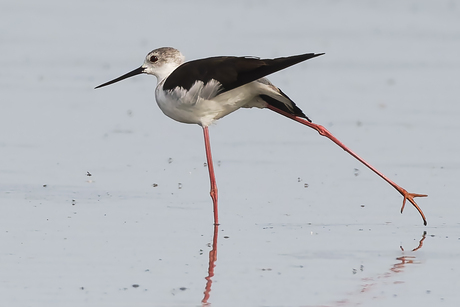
231 72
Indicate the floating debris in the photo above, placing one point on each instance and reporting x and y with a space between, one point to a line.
88 174
356 172
179 185
170 160
305 185
155 185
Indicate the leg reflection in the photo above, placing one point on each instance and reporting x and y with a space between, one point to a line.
398 267
420 243
212 264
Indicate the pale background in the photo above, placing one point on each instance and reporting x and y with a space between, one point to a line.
388 87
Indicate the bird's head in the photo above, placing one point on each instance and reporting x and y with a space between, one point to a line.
160 62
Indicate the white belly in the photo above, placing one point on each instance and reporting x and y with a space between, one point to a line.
202 105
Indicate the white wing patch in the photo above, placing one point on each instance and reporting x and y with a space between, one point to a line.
198 91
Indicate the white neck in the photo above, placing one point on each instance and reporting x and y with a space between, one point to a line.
164 71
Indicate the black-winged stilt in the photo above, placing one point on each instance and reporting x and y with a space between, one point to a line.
202 91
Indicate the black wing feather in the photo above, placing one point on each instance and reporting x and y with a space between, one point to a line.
231 72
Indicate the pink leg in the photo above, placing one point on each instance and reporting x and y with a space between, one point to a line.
324 132
212 177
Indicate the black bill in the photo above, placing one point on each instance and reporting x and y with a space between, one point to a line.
137 71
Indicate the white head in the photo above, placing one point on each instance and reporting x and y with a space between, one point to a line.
160 62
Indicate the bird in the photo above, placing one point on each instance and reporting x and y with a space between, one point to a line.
203 91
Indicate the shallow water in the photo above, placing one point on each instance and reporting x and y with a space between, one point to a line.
104 200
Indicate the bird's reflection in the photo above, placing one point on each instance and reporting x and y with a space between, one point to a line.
212 264
396 268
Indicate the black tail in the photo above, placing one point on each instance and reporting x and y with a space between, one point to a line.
291 109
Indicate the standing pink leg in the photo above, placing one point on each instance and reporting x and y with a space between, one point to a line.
212 177
324 132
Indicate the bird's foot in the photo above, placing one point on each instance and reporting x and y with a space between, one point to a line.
410 197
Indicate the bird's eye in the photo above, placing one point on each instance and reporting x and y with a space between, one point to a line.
153 58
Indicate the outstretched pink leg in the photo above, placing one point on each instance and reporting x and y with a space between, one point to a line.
212 177
324 132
